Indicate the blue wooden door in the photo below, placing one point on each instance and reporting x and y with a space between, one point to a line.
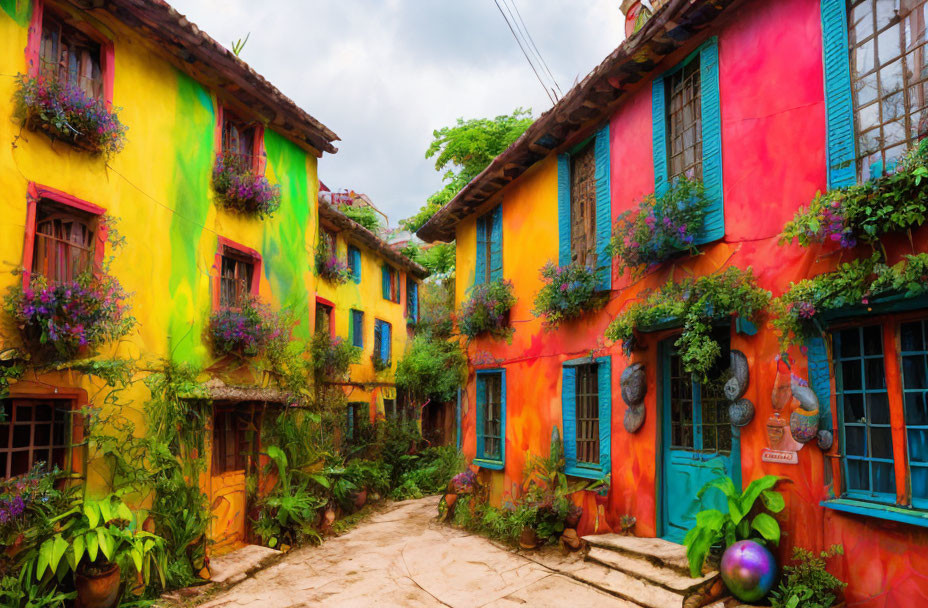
698 441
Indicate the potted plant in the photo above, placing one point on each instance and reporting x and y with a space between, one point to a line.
241 190
486 311
246 331
568 292
807 583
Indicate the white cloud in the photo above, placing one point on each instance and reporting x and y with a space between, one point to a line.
384 75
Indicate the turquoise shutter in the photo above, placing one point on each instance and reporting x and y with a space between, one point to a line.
480 270
820 378
604 376
356 261
481 413
714 227
385 343
412 299
378 337
569 415
385 283
603 211
659 135
839 105
357 328
496 244
563 209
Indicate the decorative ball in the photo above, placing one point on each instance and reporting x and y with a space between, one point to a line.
741 412
749 570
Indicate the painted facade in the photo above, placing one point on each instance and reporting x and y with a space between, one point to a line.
158 188
774 121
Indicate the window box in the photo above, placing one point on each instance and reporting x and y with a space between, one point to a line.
245 331
487 310
238 175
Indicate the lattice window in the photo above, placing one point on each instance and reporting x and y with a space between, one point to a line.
68 55
235 280
587 403
914 351
681 405
493 417
889 79
233 439
715 423
684 122
34 430
238 141
64 242
583 206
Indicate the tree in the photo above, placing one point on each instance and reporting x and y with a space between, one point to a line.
463 151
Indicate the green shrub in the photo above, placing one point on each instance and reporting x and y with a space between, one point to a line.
806 583
432 368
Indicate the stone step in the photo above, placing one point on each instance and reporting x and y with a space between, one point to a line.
658 551
628 587
644 569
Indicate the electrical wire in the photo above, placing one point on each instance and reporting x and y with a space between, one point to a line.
519 42
537 52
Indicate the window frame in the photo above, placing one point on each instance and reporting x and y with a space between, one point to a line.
34 44
60 417
489 252
354 262
480 459
330 306
584 152
247 460
378 344
412 301
356 334
258 155
391 274
235 250
569 419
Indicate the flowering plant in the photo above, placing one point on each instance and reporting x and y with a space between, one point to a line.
857 283
487 310
661 226
331 357
247 331
26 503
239 189
64 111
329 266
863 212
58 321
568 292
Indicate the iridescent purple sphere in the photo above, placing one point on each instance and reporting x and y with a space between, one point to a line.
749 570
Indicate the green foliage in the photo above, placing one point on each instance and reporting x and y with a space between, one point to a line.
567 293
806 583
438 258
239 45
661 227
29 594
863 212
428 472
436 309
432 368
364 215
486 311
745 519
331 357
467 148
697 303
797 312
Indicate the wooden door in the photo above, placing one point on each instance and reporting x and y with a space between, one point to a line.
234 443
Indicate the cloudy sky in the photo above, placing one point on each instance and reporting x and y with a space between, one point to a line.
383 74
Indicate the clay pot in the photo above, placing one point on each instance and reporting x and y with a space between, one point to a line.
570 540
450 499
16 547
360 499
528 539
98 590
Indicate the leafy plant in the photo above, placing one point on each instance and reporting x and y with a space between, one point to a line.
738 523
432 368
487 310
697 303
241 190
61 320
362 214
247 331
64 111
331 357
329 266
863 212
806 583
661 227
567 293
438 258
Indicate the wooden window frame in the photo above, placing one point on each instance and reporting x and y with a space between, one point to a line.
34 44
258 156
35 195
331 312
395 282
229 248
687 74
243 462
583 229
587 414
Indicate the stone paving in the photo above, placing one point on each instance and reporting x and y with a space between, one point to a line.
402 557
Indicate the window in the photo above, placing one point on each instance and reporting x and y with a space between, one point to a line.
583 206
358 415
324 317
383 341
33 430
357 328
889 80
390 283
684 122
491 419
240 141
64 245
489 258
68 55
412 300
235 279
354 263
586 402
233 438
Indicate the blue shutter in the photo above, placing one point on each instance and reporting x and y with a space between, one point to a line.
714 226
659 135
386 345
481 413
412 299
378 337
839 106
480 268
604 376
820 378
569 416
563 209
603 211
357 328
355 254
385 283
496 243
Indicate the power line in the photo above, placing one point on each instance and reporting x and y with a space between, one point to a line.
537 52
519 42
520 31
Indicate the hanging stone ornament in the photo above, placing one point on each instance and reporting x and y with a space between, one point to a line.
740 412
634 387
737 385
825 440
803 422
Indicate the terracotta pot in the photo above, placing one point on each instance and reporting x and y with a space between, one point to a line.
16 547
360 499
98 590
528 539
450 499
570 540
